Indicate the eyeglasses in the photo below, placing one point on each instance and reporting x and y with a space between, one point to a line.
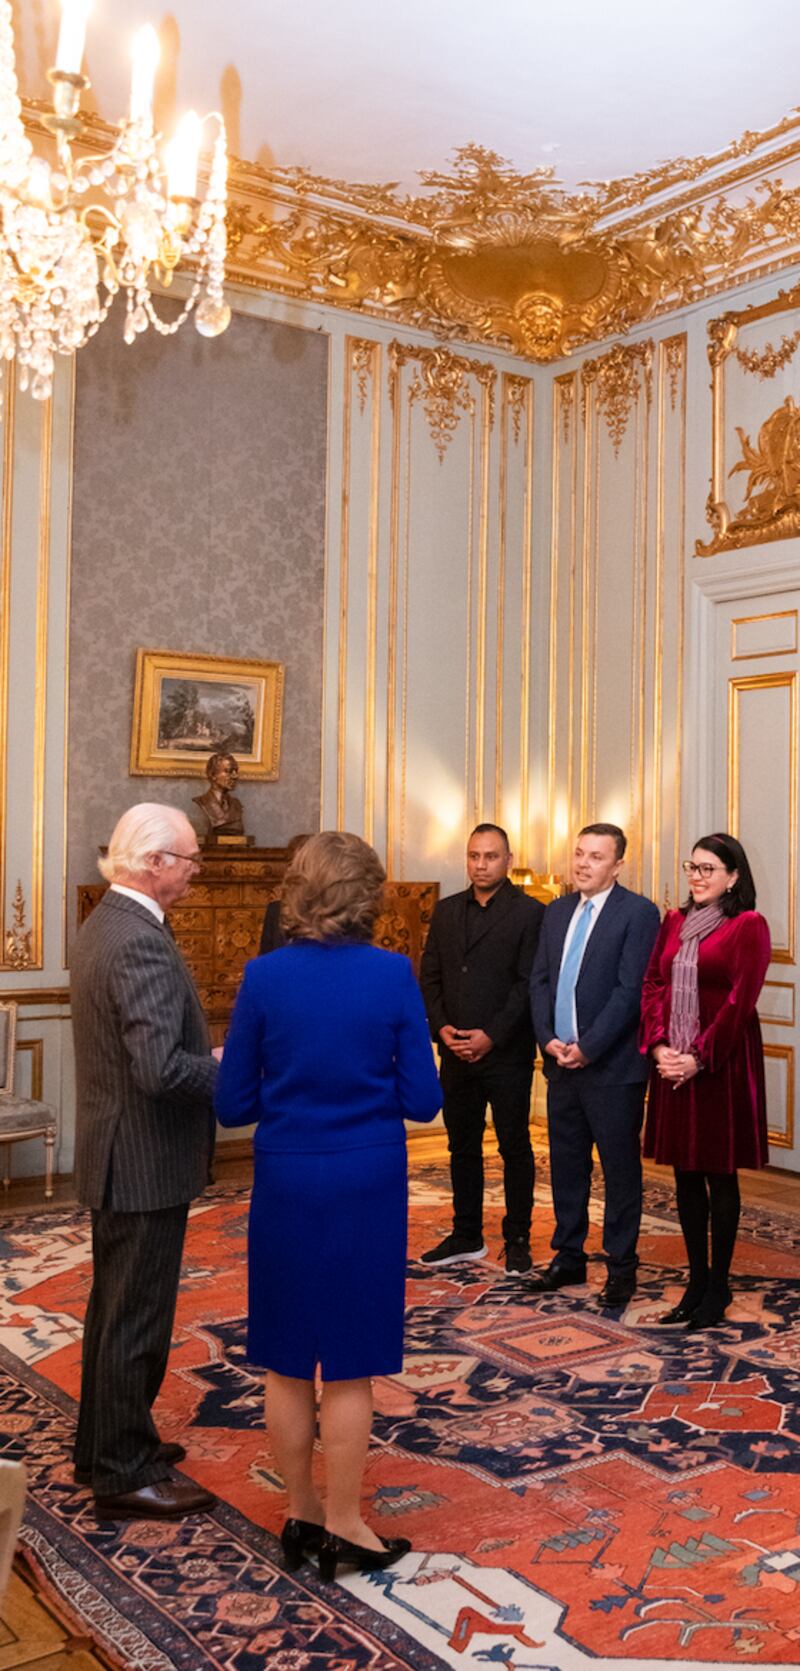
195 859
704 870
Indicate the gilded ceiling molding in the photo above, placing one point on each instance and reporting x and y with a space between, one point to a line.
440 381
485 254
771 508
619 378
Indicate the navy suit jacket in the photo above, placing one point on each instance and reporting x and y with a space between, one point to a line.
609 991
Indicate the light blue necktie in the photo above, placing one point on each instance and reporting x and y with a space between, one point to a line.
568 978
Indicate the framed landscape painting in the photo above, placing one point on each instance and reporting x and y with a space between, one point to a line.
186 707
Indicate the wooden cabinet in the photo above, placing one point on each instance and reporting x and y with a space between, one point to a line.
218 925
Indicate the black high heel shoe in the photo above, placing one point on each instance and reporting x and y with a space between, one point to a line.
687 1305
711 1310
298 1538
332 1550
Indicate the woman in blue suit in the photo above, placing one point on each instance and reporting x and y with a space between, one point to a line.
329 1051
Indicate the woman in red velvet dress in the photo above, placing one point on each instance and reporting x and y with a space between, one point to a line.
707 1108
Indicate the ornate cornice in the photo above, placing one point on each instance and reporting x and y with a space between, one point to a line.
488 255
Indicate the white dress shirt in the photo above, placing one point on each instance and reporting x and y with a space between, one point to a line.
141 899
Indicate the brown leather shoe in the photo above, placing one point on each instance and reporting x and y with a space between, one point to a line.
168 1451
166 1500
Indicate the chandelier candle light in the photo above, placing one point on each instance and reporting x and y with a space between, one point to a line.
74 233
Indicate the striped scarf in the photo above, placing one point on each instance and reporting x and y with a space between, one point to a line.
684 1021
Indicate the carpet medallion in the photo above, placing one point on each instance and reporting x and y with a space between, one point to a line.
578 1485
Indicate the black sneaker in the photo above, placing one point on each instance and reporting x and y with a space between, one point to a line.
453 1250
518 1257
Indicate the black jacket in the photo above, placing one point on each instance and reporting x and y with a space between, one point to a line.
485 985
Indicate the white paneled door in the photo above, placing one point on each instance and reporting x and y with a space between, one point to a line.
756 680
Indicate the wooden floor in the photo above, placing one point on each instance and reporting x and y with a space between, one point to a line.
30 1635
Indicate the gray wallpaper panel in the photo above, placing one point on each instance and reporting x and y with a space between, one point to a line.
198 524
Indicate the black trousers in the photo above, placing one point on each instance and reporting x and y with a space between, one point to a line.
581 1113
126 1341
505 1086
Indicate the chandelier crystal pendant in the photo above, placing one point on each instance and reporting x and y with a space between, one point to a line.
75 232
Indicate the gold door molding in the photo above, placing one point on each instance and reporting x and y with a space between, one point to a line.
771 509
738 690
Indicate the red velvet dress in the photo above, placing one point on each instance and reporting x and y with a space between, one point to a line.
717 1120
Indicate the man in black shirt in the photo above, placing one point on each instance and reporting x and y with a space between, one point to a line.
474 977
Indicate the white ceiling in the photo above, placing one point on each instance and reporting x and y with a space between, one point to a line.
366 92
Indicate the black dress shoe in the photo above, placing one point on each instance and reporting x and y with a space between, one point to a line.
166 1500
557 1276
518 1256
618 1291
332 1550
297 1539
168 1452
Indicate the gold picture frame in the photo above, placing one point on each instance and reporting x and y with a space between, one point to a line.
186 707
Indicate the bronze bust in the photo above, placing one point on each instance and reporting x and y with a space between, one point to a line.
220 808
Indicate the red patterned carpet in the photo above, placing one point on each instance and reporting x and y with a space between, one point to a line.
578 1485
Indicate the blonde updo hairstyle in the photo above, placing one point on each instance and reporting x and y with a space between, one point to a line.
333 889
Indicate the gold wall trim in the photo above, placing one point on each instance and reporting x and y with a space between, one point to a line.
517 398
36 1049
736 689
671 385
67 647
772 512
19 937
526 602
372 591
783 1053
40 721
8 397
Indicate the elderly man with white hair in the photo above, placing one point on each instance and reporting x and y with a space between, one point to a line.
145 1083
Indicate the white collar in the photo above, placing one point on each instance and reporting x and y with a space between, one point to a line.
141 899
598 900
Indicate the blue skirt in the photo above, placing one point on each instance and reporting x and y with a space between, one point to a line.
327 1263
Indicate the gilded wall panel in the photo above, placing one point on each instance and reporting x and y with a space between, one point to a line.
762 794
358 586
565 646
516 807
442 413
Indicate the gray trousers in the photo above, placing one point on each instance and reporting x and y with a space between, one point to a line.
126 1341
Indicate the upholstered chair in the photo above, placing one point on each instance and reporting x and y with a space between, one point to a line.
21 1118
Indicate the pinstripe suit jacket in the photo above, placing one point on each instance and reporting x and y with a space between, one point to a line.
145 1079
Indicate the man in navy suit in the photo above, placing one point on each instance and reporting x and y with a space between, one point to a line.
586 988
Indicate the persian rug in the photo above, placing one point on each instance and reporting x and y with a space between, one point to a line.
579 1486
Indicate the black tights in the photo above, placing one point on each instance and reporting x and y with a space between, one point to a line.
704 1195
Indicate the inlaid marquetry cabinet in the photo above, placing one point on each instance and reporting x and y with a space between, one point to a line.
218 925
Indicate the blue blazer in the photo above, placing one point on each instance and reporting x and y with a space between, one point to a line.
608 995
328 1049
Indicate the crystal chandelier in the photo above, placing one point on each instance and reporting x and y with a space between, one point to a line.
75 232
